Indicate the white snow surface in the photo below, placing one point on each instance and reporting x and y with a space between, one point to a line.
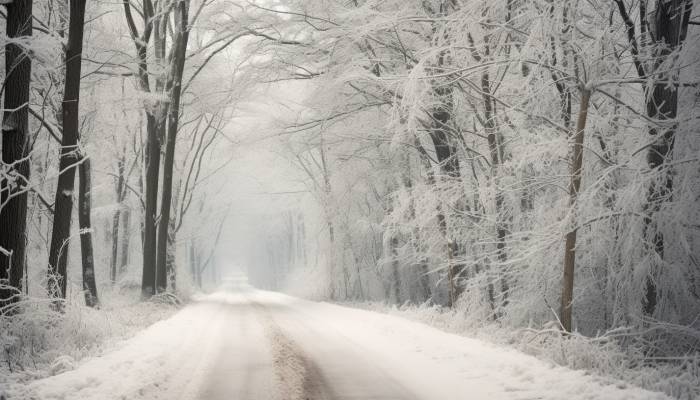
261 345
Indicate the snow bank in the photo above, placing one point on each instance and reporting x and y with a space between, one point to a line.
438 365
222 338
38 342
602 355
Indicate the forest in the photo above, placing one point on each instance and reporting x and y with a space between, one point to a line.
526 172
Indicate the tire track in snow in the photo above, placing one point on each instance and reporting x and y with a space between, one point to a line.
298 376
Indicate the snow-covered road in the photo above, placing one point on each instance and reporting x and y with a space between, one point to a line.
255 345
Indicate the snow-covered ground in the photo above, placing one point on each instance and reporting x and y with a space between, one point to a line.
260 345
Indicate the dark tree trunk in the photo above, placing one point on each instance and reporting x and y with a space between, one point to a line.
115 246
70 154
119 190
170 258
671 23
396 280
670 30
160 23
496 152
152 153
126 238
449 165
165 228
447 157
15 151
148 279
84 207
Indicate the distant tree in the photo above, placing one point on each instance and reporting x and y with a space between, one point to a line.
86 248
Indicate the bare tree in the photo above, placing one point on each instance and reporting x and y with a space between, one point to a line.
88 258
670 29
70 153
14 171
574 187
178 65
153 144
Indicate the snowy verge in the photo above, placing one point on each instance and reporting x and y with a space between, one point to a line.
38 342
216 343
603 356
428 362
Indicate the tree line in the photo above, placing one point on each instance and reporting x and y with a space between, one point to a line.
525 161
147 127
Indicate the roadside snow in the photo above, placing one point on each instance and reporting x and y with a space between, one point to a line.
159 362
225 341
437 365
38 342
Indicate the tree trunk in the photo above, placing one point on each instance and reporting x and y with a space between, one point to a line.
84 207
160 24
670 31
119 190
570 246
180 44
170 258
126 237
70 154
148 278
496 152
15 151
396 280
152 153
192 261
116 217
449 165
671 25
331 256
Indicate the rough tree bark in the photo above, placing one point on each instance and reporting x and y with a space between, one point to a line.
15 152
192 260
574 186
166 230
670 25
84 208
70 153
160 26
116 218
449 165
148 278
170 257
126 237
152 153
446 154
396 280
496 152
